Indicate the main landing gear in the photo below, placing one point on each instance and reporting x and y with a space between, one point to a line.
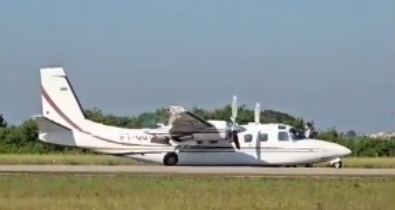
170 159
336 163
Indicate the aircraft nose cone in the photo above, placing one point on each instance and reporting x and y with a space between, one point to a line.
343 151
336 149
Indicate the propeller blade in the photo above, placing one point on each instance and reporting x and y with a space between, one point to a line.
257 113
234 109
236 139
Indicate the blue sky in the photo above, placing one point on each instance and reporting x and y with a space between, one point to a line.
331 61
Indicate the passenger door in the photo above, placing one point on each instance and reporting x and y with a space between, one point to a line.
251 143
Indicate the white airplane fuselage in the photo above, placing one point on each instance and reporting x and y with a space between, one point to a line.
63 122
250 156
136 144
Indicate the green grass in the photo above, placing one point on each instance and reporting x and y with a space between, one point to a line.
67 159
58 192
111 160
361 162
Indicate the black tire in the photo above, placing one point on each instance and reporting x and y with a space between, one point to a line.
170 159
338 164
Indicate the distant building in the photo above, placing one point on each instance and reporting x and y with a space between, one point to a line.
351 134
386 135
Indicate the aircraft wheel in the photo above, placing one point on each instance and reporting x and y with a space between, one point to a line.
309 165
338 164
170 159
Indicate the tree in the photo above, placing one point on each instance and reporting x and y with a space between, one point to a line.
23 138
3 122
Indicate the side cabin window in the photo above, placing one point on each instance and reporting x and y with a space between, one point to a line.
283 136
248 138
263 137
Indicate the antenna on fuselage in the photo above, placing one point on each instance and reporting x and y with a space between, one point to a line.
257 115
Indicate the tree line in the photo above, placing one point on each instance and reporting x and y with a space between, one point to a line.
23 138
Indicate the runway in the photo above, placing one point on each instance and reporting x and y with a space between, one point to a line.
232 171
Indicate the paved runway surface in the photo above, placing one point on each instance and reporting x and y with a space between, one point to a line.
89 169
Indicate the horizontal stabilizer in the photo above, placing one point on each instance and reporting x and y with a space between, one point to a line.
46 125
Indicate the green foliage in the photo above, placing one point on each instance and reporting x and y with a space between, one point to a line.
3 123
23 138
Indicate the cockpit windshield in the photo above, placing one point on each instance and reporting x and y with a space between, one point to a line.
297 134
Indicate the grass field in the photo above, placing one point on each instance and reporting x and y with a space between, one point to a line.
110 160
61 192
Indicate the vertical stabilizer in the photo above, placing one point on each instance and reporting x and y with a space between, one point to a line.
59 102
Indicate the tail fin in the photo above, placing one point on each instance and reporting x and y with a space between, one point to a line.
59 102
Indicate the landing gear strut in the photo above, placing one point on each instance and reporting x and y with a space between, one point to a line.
337 163
170 159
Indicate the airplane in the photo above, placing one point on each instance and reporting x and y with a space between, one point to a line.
188 140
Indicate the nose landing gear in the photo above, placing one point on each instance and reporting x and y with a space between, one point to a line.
170 159
337 163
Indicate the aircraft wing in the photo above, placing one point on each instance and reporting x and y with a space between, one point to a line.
184 121
157 131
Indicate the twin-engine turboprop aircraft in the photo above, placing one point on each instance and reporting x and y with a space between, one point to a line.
187 140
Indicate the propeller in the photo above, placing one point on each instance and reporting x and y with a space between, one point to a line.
233 128
234 112
257 115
